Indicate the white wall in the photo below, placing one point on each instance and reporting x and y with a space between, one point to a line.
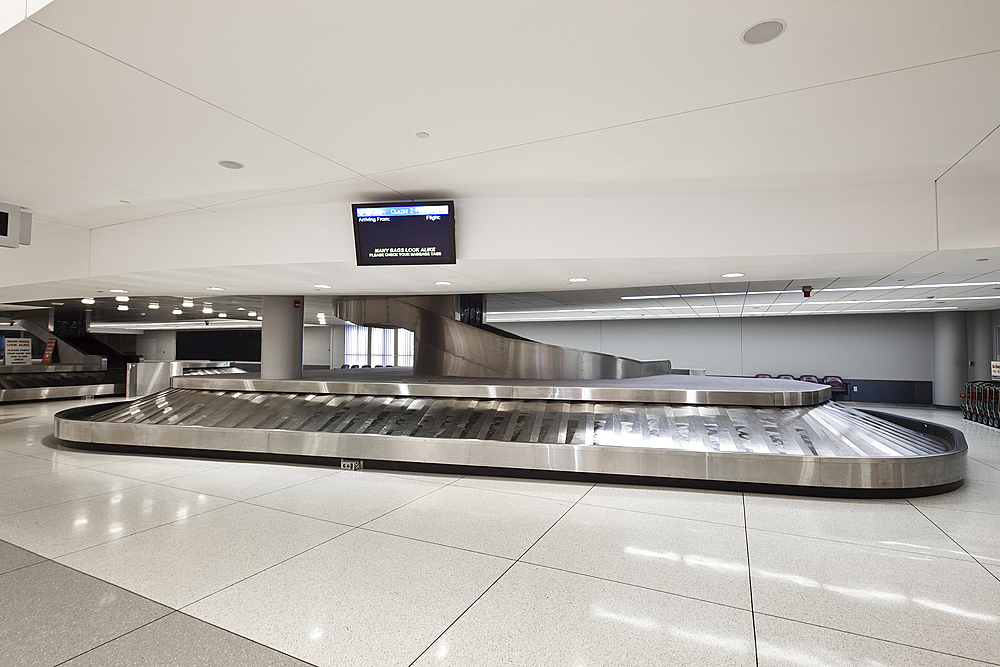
337 345
157 345
317 346
858 227
873 347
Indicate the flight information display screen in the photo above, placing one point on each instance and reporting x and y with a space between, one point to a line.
405 233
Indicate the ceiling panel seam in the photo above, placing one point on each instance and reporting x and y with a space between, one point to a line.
966 154
527 143
94 180
200 99
691 111
209 207
918 259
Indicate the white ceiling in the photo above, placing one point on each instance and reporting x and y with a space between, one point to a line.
116 113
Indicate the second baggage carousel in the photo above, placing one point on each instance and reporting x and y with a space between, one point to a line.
671 429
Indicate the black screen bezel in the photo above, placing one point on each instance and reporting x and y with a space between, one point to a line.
405 262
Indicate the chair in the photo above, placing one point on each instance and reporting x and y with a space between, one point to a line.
786 376
343 366
763 375
836 383
809 378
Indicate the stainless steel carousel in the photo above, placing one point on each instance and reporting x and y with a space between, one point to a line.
571 414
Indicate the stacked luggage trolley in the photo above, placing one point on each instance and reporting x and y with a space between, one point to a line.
981 402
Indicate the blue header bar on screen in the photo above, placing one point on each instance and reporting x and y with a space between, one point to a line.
390 211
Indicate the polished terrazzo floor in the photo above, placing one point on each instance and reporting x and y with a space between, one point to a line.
108 559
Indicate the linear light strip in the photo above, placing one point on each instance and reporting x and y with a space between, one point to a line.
825 289
747 305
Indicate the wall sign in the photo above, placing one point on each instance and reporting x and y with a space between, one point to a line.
50 348
17 351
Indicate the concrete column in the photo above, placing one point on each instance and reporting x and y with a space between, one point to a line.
950 360
281 338
980 324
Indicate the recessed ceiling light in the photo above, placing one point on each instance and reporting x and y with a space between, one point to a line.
123 307
177 311
763 32
422 135
223 315
323 286
123 299
87 301
229 164
118 291
735 274
241 308
259 317
252 313
154 305
207 310
216 289
58 303
188 303
578 280
442 283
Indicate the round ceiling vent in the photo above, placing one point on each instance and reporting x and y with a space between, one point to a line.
763 32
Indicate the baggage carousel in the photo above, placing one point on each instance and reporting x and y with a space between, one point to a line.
40 382
741 433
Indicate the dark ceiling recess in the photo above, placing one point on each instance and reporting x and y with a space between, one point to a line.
235 345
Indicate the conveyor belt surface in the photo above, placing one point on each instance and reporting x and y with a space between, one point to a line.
826 446
824 430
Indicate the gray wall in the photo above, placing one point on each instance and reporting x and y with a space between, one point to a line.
877 347
317 346
157 345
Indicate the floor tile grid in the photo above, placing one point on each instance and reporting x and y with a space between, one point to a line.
84 497
986 463
113 639
675 515
881 546
436 486
756 614
873 639
285 560
36 458
157 620
138 532
632 583
76 573
330 473
488 588
753 614
219 463
364 525
992 572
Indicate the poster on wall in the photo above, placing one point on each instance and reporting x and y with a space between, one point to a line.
995 368
17 351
